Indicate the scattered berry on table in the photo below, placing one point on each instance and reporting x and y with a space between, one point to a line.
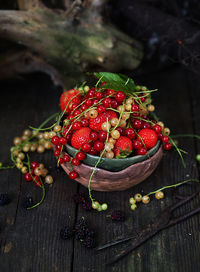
159 195
145 199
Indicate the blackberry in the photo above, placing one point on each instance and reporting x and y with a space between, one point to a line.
118 216
79 198
87 205
80 234
27 202
4 199
81 225
89 242
81 229
66 233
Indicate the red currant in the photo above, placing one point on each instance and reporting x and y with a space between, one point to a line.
95 101
84 107
157 128
120 96
102 135
160 136
59 147
91 93
88 102
60 161
114 104
142 98
120 130
99 95
137 123
34 164
39 183
85 122
77 112
36 179
107 102
28 177
98 145
76 125
70 117
130 133
57 153
68 137
93 136
142 151
110 92
73 175
93 151
55 140
75 162
101 109
80 156
135 107
165 139
146 125
167 146
137 144
63 141
86 147
66 158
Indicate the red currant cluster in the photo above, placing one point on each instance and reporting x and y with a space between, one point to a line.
37 171
107 123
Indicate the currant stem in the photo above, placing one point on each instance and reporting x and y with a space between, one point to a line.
100 157
42 199
45 122
173 185
178 150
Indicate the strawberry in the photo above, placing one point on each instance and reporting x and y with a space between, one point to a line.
80 137
148 136
66 99
123 147
95 123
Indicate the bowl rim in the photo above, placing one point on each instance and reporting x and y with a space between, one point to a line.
149 153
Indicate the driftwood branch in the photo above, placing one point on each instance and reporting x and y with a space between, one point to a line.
69 48
27 4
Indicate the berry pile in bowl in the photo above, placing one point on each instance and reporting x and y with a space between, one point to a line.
109 137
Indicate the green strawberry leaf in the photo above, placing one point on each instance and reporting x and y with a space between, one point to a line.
117 82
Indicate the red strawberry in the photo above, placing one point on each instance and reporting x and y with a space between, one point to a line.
123 147
80 137
95 123
66 99
149 137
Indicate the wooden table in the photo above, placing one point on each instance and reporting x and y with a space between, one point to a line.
29 240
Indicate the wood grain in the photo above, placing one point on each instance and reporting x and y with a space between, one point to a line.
29 240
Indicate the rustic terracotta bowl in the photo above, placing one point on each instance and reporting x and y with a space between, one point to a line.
104 180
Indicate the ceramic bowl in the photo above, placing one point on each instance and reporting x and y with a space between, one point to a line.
113 165
106 180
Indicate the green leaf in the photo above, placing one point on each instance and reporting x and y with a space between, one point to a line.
117 82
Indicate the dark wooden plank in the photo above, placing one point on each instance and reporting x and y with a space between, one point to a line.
32 237
171 250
